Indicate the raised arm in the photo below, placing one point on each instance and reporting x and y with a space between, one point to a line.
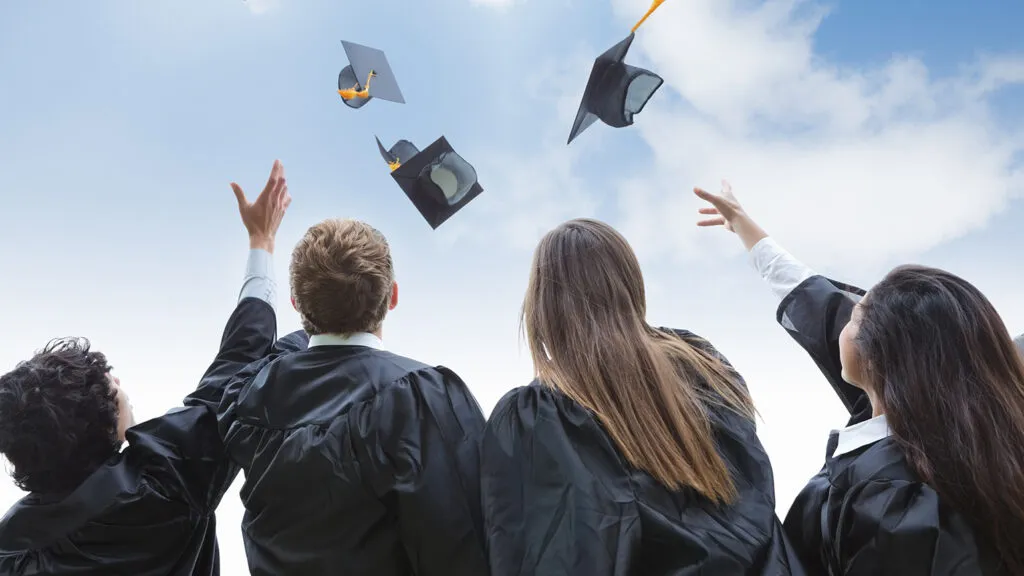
251 329
182 450
813 309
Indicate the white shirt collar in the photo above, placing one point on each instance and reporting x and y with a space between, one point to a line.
356 339
862 434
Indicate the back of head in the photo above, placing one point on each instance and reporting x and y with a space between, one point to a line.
952 383
341 278
58 417
585 318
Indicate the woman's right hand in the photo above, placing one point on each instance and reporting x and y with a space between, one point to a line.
729 214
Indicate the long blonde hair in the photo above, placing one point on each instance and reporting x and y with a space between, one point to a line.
585 319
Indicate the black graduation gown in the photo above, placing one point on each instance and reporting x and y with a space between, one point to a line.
866 513
357 461
149 510
560 500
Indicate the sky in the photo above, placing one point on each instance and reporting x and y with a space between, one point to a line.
862 134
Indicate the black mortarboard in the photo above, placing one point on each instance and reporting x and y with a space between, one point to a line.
438 181
367 76
615 91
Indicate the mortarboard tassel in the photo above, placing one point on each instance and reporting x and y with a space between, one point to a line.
351 93
654 6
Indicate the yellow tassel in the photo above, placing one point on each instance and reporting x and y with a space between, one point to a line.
353 92
654 6
394 165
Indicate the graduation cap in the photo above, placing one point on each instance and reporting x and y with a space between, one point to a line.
367 76
438 181
616 91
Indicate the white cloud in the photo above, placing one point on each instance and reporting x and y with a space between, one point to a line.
261 6
849 166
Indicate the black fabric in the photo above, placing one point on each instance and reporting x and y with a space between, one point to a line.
560 500
359 462
149 511
866 513
414 176
615 91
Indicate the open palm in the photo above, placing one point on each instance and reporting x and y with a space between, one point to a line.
263 217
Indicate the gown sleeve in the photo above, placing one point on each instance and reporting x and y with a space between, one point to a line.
547 513
182 450
898 528
418 446
226 412
814 315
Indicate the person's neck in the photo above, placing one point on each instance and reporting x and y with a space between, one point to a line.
877 409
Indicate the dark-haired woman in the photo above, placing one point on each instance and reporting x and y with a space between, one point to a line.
635 450
928 476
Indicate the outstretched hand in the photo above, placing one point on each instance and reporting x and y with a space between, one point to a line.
263 217
724 206
729 214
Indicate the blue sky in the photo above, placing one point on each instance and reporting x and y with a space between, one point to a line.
862 134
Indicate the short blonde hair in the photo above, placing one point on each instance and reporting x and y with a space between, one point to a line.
341 275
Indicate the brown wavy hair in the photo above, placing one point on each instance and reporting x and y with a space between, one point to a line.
585 318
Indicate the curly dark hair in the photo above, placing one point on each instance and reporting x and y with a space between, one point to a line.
58 416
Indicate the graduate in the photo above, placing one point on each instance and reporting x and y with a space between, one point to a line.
357 461
95 508
928 476
634 452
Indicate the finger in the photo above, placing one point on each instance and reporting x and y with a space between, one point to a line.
727 190
275 175
239 195
711 210
705 195
280 192
712 222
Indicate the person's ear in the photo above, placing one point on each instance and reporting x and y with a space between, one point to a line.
294 307
394 296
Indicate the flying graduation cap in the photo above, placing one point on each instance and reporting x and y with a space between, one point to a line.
367 76
438 181
616 91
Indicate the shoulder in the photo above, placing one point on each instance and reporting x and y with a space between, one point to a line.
434 392
903 506
536 407
407 374
532 399
882 463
